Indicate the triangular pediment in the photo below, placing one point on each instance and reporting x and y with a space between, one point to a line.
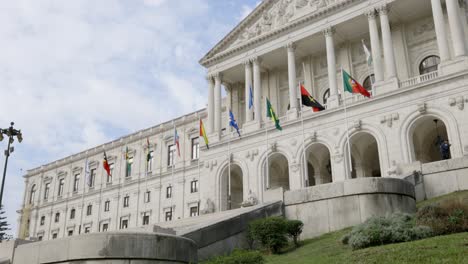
269 17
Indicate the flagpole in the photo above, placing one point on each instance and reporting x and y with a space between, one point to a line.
82 197
172 176
161 131
267 178
198 165
229 170
347 126
305 182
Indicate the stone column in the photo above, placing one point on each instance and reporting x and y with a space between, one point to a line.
257 89
441 34
375 46
331 63
210 104
387 42
248 84
456 28
217 103
292 77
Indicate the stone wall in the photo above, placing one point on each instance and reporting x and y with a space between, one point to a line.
116 248
334 206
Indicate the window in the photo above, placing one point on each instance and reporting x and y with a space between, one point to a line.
87 230
70 232
42 220
39 238
149 161
147 197
169 192
193 211
105 227
126 201
145 219
89 210
106 206
92 177
60 188
171 149
194 186
368 82
54 235
46 191
429 64
195 148
169 216
72 213
326 95
123 223
57 217
112 166
76 182
128 172
32 194
109 176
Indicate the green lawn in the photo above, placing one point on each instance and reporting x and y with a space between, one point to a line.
462 196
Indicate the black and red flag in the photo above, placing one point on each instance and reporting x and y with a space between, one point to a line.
106 165
309 101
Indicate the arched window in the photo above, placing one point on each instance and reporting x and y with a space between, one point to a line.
72 213
326 95
367 83
429 64
32 194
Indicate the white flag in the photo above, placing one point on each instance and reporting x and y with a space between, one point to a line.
368 54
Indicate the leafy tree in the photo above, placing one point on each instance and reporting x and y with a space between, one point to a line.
294 230
270 232
4 226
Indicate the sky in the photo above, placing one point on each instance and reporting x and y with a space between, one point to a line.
76 74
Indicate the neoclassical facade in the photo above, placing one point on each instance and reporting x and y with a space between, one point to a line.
419 84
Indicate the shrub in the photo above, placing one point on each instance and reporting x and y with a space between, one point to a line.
270 232
445 218
385 230
239 256
294 230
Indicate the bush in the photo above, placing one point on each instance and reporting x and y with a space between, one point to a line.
385 230
239 256
294 230
270 232
445 218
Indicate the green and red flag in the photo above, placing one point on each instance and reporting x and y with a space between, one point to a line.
271 114
352 86
106 165
203 133
310 101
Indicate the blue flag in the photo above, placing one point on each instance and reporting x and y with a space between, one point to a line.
232 122
250 97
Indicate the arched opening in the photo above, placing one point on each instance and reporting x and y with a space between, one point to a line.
429 64
365 158
325 96
232 192
278 172
429 136
32 193
318 165
367 83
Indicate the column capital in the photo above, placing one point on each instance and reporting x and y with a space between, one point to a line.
371 14
217 75
328 32
246 63
209 77
256 60
290 46
383 9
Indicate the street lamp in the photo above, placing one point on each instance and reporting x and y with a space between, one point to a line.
10 133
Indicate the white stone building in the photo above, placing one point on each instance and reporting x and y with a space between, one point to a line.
419 75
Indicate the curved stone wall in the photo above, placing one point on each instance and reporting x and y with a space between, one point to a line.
116 248
334 206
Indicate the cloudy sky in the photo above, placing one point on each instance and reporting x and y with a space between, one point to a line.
75 74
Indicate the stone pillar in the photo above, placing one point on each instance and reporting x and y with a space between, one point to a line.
456 28
375 46
210 104
248 84
441 34
331 63
387 43
217 103
257 90
292 77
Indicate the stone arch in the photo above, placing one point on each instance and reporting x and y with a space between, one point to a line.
318 162
365 158
32 193
410 121
231 186
261 169
421 56
277 174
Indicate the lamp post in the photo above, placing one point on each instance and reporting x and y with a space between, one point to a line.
10 133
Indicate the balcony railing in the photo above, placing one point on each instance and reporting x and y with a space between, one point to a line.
419 79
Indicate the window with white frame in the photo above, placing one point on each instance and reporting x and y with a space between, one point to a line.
57 217
146 218
42 220
61 186
149 161
46 191
106 206
89 209
126 201
194 211
32 193
169 192
194 186
72 213
195 148
128 172
147 197
92 177
123 223
171 149
429 64
104 227
76 182
168 216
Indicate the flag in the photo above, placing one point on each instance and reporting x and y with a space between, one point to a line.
271 114
203 134
176 141
106 165
352 86
368 54
126 154
148 152
308 100
233 123
88 174
250 97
